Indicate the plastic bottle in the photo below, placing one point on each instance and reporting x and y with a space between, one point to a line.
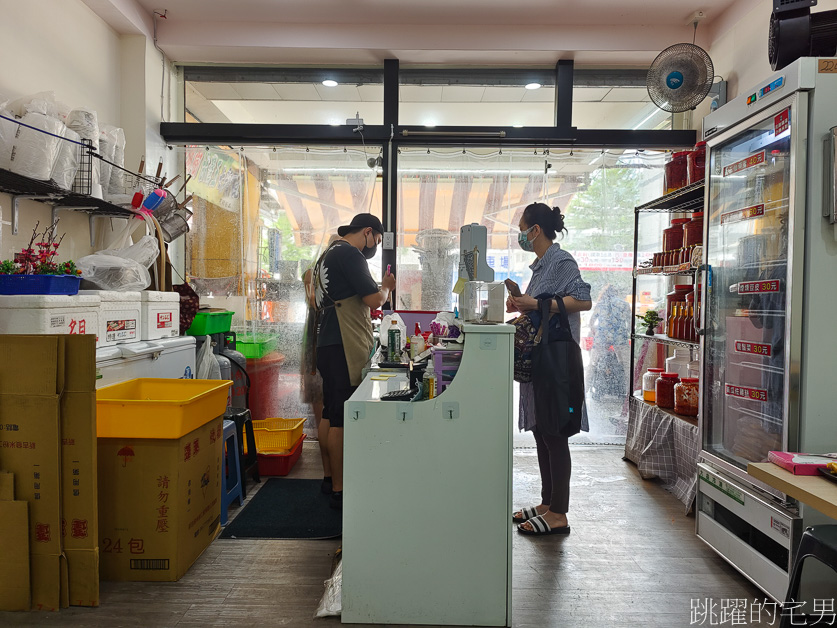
428 382
417 345
394 342
679 362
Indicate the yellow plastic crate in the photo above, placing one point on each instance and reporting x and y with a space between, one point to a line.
277 435
158 408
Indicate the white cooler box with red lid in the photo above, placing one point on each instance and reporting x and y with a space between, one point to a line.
168 358
160 315
50 314
120 316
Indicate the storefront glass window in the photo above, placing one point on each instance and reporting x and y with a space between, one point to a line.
441 189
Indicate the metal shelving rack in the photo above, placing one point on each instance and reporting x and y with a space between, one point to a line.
685 200
20 188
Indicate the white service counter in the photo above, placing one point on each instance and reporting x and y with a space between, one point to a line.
428 488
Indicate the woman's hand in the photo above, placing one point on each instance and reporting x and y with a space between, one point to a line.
510 308
524 303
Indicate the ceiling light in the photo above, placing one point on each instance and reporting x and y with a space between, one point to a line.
517 126
533 86
430 124
330 83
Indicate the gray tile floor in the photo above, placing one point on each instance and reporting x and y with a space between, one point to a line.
631 560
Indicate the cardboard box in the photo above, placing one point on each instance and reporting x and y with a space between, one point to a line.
7 486
160 503
30 446
57 446
83 568
15 591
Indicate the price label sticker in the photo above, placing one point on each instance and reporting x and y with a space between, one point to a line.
781 122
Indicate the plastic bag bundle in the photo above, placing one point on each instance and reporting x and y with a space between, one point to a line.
117 178
207 365
331 603
108 272
8 130
42 102
34 153
107 149
66 163
144 252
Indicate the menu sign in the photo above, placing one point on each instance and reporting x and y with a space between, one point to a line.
754 394
750 287
753 348
743 214
738 166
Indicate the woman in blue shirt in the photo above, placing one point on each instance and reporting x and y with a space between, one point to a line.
553 272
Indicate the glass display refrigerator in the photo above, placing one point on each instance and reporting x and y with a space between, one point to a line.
768 305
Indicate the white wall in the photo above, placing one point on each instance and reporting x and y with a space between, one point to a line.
60 46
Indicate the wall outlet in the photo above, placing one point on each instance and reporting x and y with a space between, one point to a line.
389 240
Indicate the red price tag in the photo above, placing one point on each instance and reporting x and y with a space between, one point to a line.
741 392
744 164
753 348
781 123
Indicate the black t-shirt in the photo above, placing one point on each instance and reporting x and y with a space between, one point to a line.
343 274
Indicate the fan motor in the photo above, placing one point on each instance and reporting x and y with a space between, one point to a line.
796 32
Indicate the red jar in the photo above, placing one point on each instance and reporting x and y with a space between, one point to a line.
696 163
664 390
693 230
686 396
677 172
673 236
678 295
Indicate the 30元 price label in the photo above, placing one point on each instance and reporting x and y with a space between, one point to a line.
742 392
751 287
738 215
753 348
744 164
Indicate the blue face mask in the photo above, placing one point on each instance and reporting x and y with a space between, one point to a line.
524 242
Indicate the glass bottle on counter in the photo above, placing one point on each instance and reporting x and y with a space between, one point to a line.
664 390
394 342
649 382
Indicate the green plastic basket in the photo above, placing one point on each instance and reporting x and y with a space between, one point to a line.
212 322
258 347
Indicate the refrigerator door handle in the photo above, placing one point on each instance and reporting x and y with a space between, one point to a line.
695 318
140 348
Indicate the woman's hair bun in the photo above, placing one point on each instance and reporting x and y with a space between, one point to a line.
558 217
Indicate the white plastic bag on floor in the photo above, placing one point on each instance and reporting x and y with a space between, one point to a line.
34 153
66 164
332 602
207 365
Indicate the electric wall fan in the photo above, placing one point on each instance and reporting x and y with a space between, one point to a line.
796 32
680 78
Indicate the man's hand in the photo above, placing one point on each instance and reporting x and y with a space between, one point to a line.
388 282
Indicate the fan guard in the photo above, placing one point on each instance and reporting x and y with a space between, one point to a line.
680 78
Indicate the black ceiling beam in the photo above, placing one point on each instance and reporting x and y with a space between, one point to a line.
229 134
564 94
508 77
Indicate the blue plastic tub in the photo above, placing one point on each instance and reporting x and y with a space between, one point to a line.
39 284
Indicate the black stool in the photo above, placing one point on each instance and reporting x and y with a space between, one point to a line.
244 429
818 542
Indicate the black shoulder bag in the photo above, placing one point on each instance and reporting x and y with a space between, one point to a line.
557 375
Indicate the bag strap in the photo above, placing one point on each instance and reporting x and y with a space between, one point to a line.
564 318
544 305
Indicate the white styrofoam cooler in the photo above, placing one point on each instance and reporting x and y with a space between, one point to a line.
120 316
50 314
169 358
160 315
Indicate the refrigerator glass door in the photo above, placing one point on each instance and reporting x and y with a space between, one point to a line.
747 253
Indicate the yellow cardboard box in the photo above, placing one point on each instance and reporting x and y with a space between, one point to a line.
160 503
66 376
15 591
7 486
83 576
30 446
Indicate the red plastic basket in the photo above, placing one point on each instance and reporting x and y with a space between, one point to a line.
280 464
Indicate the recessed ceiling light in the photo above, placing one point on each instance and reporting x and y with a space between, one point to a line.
533 86
430 124
330 83
517 126
334 123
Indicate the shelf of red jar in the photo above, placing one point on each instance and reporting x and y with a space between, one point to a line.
682 269
663 339
688 419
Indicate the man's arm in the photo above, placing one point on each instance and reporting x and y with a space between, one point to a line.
377 299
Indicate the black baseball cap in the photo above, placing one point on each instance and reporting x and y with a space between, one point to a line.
361 221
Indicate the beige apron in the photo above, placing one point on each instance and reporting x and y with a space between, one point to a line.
355 321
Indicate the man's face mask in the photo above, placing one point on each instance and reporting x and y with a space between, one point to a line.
370 251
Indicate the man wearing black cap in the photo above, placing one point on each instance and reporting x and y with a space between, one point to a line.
344 294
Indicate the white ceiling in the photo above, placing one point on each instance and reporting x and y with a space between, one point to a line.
613 33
